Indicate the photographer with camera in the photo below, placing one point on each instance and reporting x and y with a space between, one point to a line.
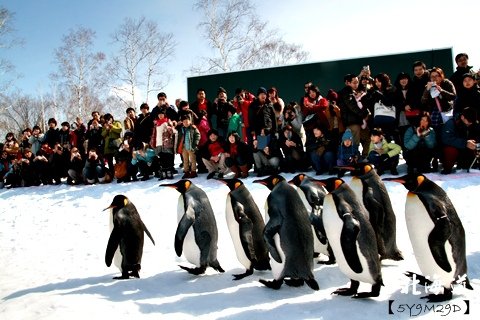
419 141
75 167
460 139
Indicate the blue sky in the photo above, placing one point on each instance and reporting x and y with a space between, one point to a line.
328 30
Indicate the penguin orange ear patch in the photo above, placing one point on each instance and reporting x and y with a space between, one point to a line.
301 177
367 168
338 183
420 180
237 184
125 201
275 181
187 184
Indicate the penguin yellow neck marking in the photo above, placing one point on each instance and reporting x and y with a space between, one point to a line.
420 180
237 185
125 201
338 183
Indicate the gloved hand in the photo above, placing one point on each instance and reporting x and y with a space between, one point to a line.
384 157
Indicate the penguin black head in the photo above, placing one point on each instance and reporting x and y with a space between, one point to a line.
331 184
233 183
411 182
118 202
271 181
181 185
297 180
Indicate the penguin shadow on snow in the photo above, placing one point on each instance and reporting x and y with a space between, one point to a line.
69 284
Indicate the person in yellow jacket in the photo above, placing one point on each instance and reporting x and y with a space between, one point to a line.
111 133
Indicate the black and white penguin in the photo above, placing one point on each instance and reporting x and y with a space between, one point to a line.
352 238
246 225
197 234
436 234
126 237
369 187
312 195
288 235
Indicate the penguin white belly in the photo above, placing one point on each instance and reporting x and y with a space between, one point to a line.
357 187
333 227
117 257
317 245
234 229
277 267
419 225
191 251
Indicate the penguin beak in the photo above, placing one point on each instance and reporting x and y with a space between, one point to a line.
170 185
346 168
109 207
399 180
224 181
260 181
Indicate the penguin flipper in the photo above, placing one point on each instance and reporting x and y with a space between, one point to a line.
148 233
436 241
245 228
348 241
112 246
317 224
271 229
182 229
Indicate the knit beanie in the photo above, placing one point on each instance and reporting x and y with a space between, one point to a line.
347 135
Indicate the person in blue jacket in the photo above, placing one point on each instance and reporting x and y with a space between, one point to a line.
419 141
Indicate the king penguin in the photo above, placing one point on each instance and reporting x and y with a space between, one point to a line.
125 244
312 195
245 224
197 233
288 235
436 234
352 239
368 186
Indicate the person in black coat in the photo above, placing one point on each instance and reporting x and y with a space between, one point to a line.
292 147
52 136
144 125
58 161
468 97
240 158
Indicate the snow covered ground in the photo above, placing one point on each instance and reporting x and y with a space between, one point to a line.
53 240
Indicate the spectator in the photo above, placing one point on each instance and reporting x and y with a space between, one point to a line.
468 97
315 105
234 121
421 77
320 151
459 141
11 146
41 164
405 114
267 155
463 68
52 136
5 166
130 120
94 170
125 168
78 135
187 145
111 133
95 116
163 140
170 111
184 109
24 143
348 152
143 125
241 102
65 136
293 150
239 156
94 137
203 127
292 116
334 117
277 104
420 142
261 114
27 171
201 103
75 167
58 162
221 107
383 154
36 139
214 155
147 161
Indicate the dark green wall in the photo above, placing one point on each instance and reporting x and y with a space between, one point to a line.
289 80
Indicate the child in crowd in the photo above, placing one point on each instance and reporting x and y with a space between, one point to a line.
163 140
214 155
383 154
146 161
348 152
187 144
320 151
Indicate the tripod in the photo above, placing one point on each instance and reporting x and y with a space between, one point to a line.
475 160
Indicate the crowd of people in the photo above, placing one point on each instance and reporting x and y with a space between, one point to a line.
428 119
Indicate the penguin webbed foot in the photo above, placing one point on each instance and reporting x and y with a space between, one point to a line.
348 291
330 261
247 273
294 282
124 276
374 293
313 284
421 279
273 284
445 296
194 271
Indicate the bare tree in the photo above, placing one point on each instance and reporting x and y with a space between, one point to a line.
7 41
240 39
80 76
138 65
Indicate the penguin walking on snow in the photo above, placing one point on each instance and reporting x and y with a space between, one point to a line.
197 233
246 225
288 235
352 238
312 195
125 244
369 187
436 234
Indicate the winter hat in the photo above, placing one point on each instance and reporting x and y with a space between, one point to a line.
221 89
332 95
347 135
261 90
